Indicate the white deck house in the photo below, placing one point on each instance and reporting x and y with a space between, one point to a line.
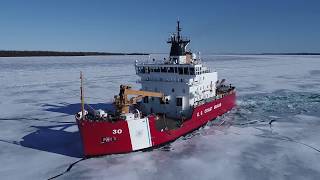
183 84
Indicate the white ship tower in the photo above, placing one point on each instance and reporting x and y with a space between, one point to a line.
182 78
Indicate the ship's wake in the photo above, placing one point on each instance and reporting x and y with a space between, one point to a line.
262 110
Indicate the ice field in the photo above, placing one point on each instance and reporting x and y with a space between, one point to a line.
273 133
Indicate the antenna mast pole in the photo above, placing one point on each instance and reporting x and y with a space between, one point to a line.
82 98
178 30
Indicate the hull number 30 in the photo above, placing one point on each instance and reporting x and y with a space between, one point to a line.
117 131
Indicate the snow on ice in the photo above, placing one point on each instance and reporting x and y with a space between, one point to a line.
273 133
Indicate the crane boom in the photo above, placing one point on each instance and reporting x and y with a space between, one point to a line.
122 102
143 93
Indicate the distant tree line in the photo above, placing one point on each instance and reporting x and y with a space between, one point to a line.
59 53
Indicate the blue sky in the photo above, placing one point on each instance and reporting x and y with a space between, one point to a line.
216 26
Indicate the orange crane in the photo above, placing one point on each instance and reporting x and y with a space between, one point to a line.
122 102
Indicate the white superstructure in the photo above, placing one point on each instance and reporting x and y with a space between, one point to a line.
183 79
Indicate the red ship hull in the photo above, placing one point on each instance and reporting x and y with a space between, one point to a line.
103 137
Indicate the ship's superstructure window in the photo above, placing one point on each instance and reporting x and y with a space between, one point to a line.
186 71
180 69
191 71
146 99
179 101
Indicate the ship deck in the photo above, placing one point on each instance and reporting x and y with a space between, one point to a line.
167 123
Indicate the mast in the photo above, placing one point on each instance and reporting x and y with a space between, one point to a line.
178 30
82 98
178 43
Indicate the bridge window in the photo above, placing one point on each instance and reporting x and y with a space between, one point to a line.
146 69
146 99
192 71
156 69
139 70
180 69
170 70
179 101
164 69
186 71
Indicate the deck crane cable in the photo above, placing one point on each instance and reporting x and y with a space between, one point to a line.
90 107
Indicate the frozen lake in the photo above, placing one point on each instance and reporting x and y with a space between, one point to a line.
39 138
